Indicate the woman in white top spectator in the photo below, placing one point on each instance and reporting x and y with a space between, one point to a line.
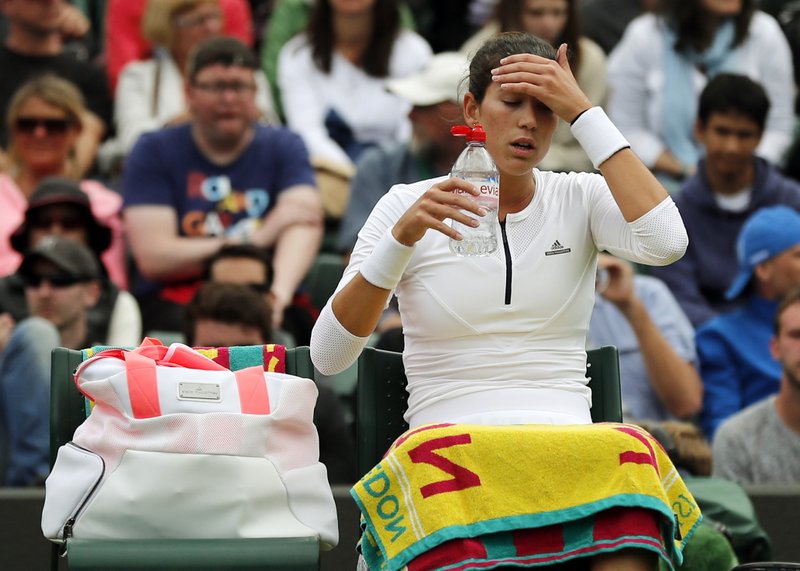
150 93
557 22
664 60
332 78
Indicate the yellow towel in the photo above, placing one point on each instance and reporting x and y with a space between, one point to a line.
440 482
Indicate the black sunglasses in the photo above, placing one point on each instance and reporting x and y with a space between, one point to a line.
67 221
57 281
52 126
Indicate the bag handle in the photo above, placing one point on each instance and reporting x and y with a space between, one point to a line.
142 385
253 395
142 379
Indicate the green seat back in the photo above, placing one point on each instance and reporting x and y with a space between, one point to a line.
68 411
382 399
323 277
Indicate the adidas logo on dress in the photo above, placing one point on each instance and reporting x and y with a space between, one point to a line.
557 248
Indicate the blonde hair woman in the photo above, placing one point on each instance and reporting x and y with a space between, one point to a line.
45 119
150 93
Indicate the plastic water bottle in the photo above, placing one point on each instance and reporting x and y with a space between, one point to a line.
475 165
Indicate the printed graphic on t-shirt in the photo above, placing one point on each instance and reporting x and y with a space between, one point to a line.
216 208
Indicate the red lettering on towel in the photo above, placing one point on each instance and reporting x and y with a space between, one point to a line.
648 457
462 478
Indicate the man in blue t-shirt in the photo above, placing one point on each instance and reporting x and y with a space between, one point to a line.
219 179
736 365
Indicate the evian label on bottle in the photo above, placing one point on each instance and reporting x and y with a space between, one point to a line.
486 188
489 189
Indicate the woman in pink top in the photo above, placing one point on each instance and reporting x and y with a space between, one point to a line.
45 117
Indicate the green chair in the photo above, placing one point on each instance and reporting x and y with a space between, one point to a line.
381 398
68 410
323 277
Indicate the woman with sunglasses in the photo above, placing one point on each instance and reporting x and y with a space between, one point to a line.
45 118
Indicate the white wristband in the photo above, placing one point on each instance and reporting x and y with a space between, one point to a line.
384 267
598 136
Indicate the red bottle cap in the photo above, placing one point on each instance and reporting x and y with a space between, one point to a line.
475 133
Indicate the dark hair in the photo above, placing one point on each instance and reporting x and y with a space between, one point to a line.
694 26
790 299
385 27
233 304
733 93
248 251
509 15
221 50
496 48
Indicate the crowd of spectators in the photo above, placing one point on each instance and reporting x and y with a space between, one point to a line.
150 147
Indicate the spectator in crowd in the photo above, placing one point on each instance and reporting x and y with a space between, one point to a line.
252 266
555 21
664 60
432 150
125 41
45 119
59 207
733 348
150 93
77 31
287 19
219 179
638 315
761 444
225 314
445 24
332 78
35 45
604 21
61 284
730 184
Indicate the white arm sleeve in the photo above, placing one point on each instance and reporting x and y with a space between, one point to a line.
657 238
333 348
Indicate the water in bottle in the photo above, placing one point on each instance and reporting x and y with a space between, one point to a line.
475 165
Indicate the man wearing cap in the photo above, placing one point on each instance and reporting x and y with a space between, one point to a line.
734 348
219 179
58 206
61 284
433 92
761 444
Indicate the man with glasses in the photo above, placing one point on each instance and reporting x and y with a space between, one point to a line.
220 179
34 46
61 282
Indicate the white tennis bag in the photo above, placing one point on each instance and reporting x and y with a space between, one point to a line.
178 446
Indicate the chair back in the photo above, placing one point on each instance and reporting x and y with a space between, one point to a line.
382 399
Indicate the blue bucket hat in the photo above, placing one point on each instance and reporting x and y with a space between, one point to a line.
767 233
